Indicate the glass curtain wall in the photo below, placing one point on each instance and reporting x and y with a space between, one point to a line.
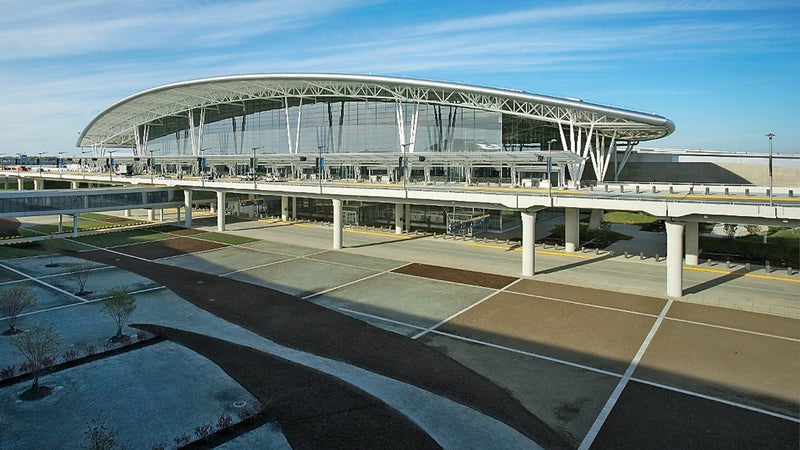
345 126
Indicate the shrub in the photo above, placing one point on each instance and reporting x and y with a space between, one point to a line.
108 346
70 355
245 414
25 367
160 446
182 439
141 335
224 421
90 350
125 340
203 430
7 372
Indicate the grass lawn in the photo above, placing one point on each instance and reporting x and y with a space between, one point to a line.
115 239
225 238
629 218
598 238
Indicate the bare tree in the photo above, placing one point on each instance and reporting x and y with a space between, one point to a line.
119 304
80 273
730 230
51 246
39 346
13 301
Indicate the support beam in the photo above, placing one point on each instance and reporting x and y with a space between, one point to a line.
75 224
294 208
151 215
528 242
187 203
38 184
285 208
73 185
571 229
220 210
398 218
337 224
692 231
674 258
20 184
407 218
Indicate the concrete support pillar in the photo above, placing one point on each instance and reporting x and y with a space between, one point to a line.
151 215
407 216
398 218
220 211
571 229
294 208
528 241
674 258
38 184
284 208
60 223
73 185
187 203
178 210
126 213
20 184
161 215
212 208
75 224
692 232
337 224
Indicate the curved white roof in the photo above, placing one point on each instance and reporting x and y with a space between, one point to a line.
116 125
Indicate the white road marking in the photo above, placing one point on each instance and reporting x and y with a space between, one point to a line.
612 400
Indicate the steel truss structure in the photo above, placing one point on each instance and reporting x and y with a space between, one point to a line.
589 131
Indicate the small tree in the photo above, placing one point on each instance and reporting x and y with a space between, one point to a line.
80 273
100 437
13 301
39 346
730 230
119 304
51 246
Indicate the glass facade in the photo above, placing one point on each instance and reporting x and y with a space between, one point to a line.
341 126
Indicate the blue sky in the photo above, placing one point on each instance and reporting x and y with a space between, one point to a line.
726 72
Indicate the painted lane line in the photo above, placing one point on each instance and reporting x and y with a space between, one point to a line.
36 280
350 283
590 305
612 400
72 305
260 266
717 399
486 344
752 275
580 366
376 233
740 330
458 313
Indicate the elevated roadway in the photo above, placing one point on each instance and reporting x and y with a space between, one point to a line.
682 207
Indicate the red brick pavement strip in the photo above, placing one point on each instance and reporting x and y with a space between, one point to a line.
456 275
315 410
169 247
308 327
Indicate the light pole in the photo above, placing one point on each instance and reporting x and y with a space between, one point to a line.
58 161
549 168
770 136
40 161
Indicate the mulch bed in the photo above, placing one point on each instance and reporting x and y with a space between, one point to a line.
314 409
456 275
169 247
308 327
9 227
113 219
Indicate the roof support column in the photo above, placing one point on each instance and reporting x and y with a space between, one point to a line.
571 229
674 258
220 210
187 203
407 216
75 224
284 208
692 231
528 243
337 224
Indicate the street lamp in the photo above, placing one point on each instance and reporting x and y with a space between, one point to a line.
770 136
549 168
40 161
58 161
